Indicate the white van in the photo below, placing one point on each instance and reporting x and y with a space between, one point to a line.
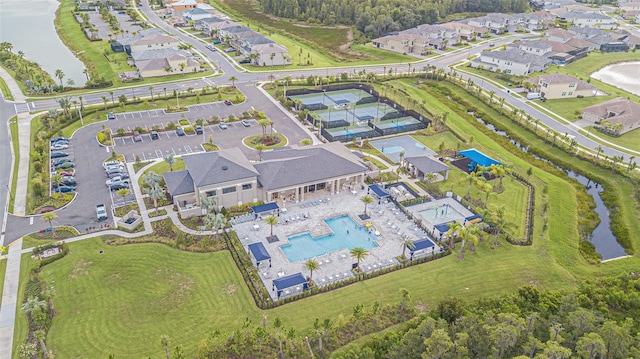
533 96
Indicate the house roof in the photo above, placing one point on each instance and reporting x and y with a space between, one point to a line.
619 110
586 31
258 40
218 167
236 28
293 166
427 164
536 44
198 11
271 48
566 79
517 56
140 35
580 43
153 64
158 54
556 32
155 39
179 182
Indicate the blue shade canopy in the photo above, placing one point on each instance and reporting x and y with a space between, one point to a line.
265 207
289 281
379 191
443 227
421 244
478 157
259 251
476 218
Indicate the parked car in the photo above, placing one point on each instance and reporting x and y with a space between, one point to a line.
69 181
59 139
137 137
59 154
117 186
223 126
64 165
120 174
180 131
245 61
154 135
59 146
199 129
492 44
59 161
68 173
229 49
65 189
245 123
228 102
111 163
217 42
111 116
101 212
115 180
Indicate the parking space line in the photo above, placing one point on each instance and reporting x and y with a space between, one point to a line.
173 151
159 154
167 132
144 157
188 149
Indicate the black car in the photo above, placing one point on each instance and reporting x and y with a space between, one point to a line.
199 130
228 102
154 135
59 161
59 154
58 139
65 189
64 165
69 181
244 61
117 186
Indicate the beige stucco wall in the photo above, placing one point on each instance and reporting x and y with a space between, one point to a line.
238 197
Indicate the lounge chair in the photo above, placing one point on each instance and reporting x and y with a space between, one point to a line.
337 275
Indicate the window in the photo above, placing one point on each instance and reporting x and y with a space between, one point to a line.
228 190
246 186
564 94
211 193
544 84
572 84
570 93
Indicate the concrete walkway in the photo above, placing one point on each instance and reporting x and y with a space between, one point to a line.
10 299
16 92
24 148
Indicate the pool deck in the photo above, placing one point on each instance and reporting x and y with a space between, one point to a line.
439 203
386 218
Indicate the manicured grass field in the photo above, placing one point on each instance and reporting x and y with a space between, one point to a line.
630 139
163 167
5 90
567 107
3 269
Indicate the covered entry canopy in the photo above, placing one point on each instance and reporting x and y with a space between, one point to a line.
443 227
267 207
422 244
289 281
478 157
379 191
259 252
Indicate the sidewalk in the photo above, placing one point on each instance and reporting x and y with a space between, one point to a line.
10 299
17 94
24 148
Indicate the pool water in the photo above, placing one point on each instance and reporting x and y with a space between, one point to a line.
437 215
304 246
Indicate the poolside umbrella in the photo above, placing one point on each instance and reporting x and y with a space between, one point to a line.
368 224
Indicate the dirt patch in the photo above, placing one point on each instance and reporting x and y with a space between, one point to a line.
227 288
81 268
182 286
46 209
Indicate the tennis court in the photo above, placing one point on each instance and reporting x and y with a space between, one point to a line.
331 98
312 99
348 132
373 110
392 147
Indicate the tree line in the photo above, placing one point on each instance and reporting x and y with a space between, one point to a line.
377 17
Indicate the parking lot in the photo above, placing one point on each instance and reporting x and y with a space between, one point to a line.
169 142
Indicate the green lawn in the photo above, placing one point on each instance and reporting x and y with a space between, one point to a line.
5 90
567 107
3 270
630 139
162 167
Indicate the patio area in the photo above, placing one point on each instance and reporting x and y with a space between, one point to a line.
387 224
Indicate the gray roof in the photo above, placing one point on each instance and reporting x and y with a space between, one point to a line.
258 40
516 55
236 28
218 167
178 182
426 164
158 54
536 44
586 31
209 20
295 166
140 35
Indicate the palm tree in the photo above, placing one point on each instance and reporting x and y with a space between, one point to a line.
264 123
151 179
366 199
57 179
272 221
215 221
598 152
151 91
104 99
466 234
260 148
470 178
49 217
32 303
454 227
358 253
311 265
164 341
233 80
498 171
123 192
40 335
59 75
170 160
113 101
156 193
406 242
86 73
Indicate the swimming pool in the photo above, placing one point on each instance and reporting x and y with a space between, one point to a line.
304 246
437 215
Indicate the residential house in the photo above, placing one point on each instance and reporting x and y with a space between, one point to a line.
630 6
438 36
172 64
535 47
154 42
511 61
616 46
270 55
229 177
191 16
637 18
216 27
588 19
533 22
244 45
158 54
403 43
555 86
463 31
494 22
203 24
622 113
183 5
124 44
225 34
558 35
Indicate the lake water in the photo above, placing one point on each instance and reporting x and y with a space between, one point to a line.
28 25
625 75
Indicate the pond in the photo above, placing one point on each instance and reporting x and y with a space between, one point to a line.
28 26
602 237
623 75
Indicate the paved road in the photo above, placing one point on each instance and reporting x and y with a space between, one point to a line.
7 110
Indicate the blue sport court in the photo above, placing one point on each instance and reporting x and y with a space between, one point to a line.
392 147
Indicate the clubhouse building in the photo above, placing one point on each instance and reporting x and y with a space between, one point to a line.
288 174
